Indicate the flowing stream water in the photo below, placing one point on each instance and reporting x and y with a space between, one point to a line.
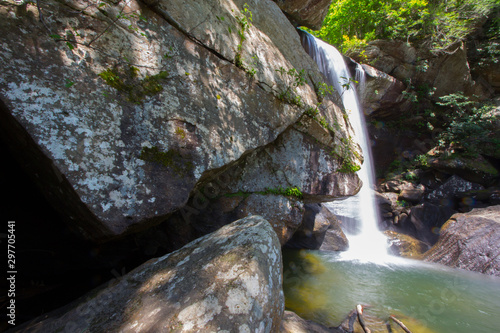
326 286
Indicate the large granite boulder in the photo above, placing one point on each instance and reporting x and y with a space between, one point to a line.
227 281
470 241
444 71
391 57
319 229
122 108
285 214
309 13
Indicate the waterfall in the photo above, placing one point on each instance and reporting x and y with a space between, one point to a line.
366 242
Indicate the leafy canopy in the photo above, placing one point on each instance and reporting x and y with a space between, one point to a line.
351 23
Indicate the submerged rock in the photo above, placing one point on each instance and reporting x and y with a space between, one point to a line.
292 323
470 241
229 280
404 245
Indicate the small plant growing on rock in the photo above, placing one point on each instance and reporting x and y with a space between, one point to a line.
180 132
292 79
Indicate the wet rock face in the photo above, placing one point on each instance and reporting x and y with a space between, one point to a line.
405 245
227 280
126 116
470 241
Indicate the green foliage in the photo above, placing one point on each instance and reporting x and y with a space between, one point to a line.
421 161
288 192
291 79
469 126
350 24
311 111
127 81
347 155
323 89
402 203
69 83
411 176
180 132
245 22
489 54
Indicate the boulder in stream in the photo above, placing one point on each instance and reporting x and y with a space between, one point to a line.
320 229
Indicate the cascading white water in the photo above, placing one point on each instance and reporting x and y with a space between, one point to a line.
367 243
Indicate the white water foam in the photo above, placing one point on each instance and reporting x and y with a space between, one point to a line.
367 243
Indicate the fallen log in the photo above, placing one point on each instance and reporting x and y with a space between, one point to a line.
359 311
400 323
348 323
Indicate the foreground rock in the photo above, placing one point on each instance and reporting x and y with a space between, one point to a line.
118 119
470 241
229 280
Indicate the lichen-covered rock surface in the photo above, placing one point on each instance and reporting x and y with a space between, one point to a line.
228 281
470 241
127 105
303 157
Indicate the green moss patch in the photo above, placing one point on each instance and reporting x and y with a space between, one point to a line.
127 81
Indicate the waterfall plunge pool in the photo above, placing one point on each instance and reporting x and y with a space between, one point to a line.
323 287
